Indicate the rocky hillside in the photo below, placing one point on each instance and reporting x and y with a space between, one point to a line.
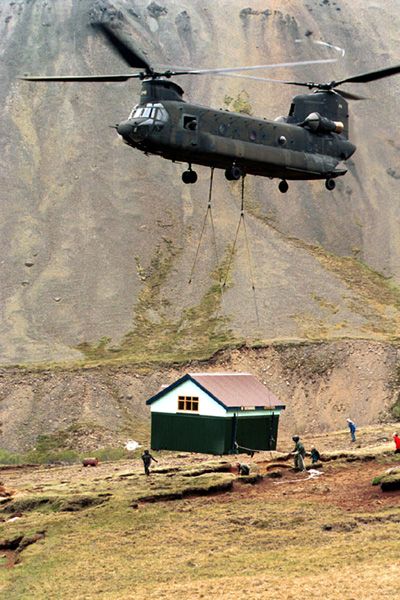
321 385
98 241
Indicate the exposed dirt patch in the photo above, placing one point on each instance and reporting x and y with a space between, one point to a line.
348 486
11 548
8 559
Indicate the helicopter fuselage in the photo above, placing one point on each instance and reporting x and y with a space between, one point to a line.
183 132
309 143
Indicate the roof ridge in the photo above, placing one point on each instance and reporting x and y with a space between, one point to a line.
225 374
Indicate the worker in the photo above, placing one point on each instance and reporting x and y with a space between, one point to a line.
315 456
147 458
299 454
243 469
352 428
396 439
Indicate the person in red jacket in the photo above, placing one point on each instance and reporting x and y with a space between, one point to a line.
396 440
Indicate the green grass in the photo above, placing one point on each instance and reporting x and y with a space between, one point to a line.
62 456
204 548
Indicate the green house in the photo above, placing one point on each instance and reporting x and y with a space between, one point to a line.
214 413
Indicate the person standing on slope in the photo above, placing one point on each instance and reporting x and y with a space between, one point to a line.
396 440
299 454
352 427
147 458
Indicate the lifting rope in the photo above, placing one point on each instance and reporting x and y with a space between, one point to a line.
251 451
242 220
208 212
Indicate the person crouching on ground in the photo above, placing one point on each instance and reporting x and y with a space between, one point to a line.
396 440
243 469
315 456
147 458
299 454
352 428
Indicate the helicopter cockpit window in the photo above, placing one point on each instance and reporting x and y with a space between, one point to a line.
143 112
155 112
161 114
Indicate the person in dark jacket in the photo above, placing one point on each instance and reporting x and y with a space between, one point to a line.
315 456
147 458
299 454
352 428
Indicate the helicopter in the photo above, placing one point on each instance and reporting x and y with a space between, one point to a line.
310 143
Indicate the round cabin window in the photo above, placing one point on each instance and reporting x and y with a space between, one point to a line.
253 135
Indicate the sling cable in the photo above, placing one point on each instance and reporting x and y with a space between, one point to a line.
242 223
214 237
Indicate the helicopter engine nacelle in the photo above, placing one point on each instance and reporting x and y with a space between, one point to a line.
316 122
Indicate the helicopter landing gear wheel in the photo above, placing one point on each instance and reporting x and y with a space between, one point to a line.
283 186
189 176
234 173
330 184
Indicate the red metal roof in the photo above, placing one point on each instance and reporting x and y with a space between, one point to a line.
237 389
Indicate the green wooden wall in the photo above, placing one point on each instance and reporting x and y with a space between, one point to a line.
212 435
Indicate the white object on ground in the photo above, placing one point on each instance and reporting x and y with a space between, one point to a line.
132 445
313 473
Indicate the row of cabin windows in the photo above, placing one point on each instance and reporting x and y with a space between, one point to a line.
257 134
190 403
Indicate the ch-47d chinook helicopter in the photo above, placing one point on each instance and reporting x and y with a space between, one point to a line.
309 143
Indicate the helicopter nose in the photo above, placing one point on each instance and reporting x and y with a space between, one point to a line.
125 129
133 131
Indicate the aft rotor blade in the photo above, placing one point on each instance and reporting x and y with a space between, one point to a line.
133 58
371 76
309 85
255 67
83 78
350 96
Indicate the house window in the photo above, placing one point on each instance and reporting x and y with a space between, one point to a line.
190 403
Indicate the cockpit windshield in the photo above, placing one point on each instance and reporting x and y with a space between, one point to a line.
155 112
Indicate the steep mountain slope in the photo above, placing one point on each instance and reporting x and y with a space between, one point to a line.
98 241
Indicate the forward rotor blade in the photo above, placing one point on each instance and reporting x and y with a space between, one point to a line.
133 58
83 78
371 76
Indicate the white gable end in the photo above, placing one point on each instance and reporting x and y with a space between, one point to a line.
208 407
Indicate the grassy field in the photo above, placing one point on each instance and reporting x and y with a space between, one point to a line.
110 533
